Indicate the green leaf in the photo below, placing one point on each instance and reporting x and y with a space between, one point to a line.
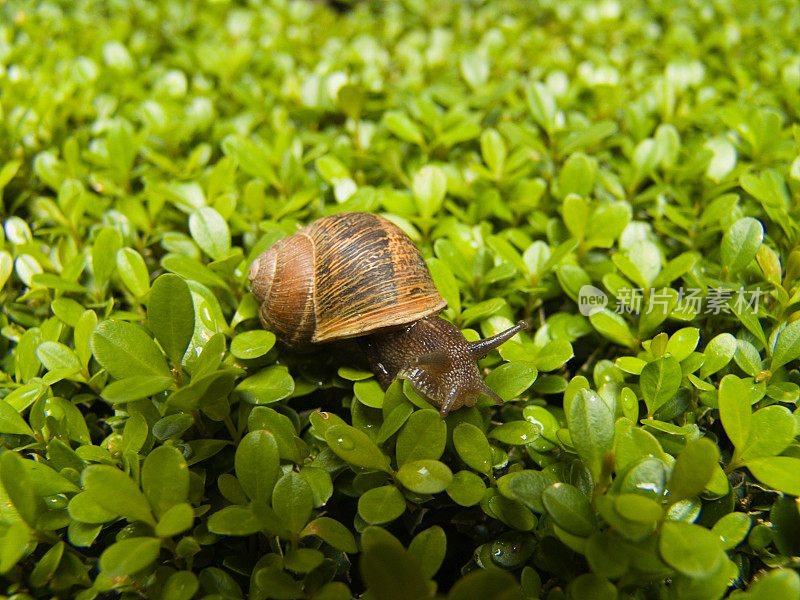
390 572
115 492
660 381
474 69
54 282
331 169
577 176
787 346
493 150
608 220
779 583
425 476
176 520
136 388
133 271
490 583
552 356
293 501
281 428
675 268
356 447
422 437
515 433
257 464
252 344
575 209
466 488
693 469
104 252
193 270
780 473
134 434
170 315
234 520
690 549
350 99
403 127
7 173
510 380
22 397
251 156
122 147
125 350
45 480
613 327
381 505
47 565
18 486
11 421
303 560
772 429
14 545
473 447
203 392
210 231
606 555
747 357
278 582
82 508
482 310
353 374
732 529
591 426
723 158
734 410
369 393
6 266
57 356
569 508
165 479
740 244
718 353
591 585
181 585
129 556
333 533
683 342
445 282
526 487
172 426
429 186
269 385
428 547
542 105
84 327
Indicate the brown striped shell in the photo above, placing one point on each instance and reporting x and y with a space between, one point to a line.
342 276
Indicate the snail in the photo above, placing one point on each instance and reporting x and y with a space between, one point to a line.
358 275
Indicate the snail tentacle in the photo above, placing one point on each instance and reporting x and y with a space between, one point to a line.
481 348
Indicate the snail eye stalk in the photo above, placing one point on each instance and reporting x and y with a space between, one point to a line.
481 348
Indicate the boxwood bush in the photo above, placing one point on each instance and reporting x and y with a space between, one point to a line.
624 174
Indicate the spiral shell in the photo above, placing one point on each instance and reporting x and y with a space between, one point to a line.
342 276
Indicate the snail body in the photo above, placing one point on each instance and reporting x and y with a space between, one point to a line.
358 275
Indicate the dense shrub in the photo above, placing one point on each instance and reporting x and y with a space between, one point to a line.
157 443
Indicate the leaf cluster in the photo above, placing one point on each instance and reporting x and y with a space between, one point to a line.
156 442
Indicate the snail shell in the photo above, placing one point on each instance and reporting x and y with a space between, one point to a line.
342 276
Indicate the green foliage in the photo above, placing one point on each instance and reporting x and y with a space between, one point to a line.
156 442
